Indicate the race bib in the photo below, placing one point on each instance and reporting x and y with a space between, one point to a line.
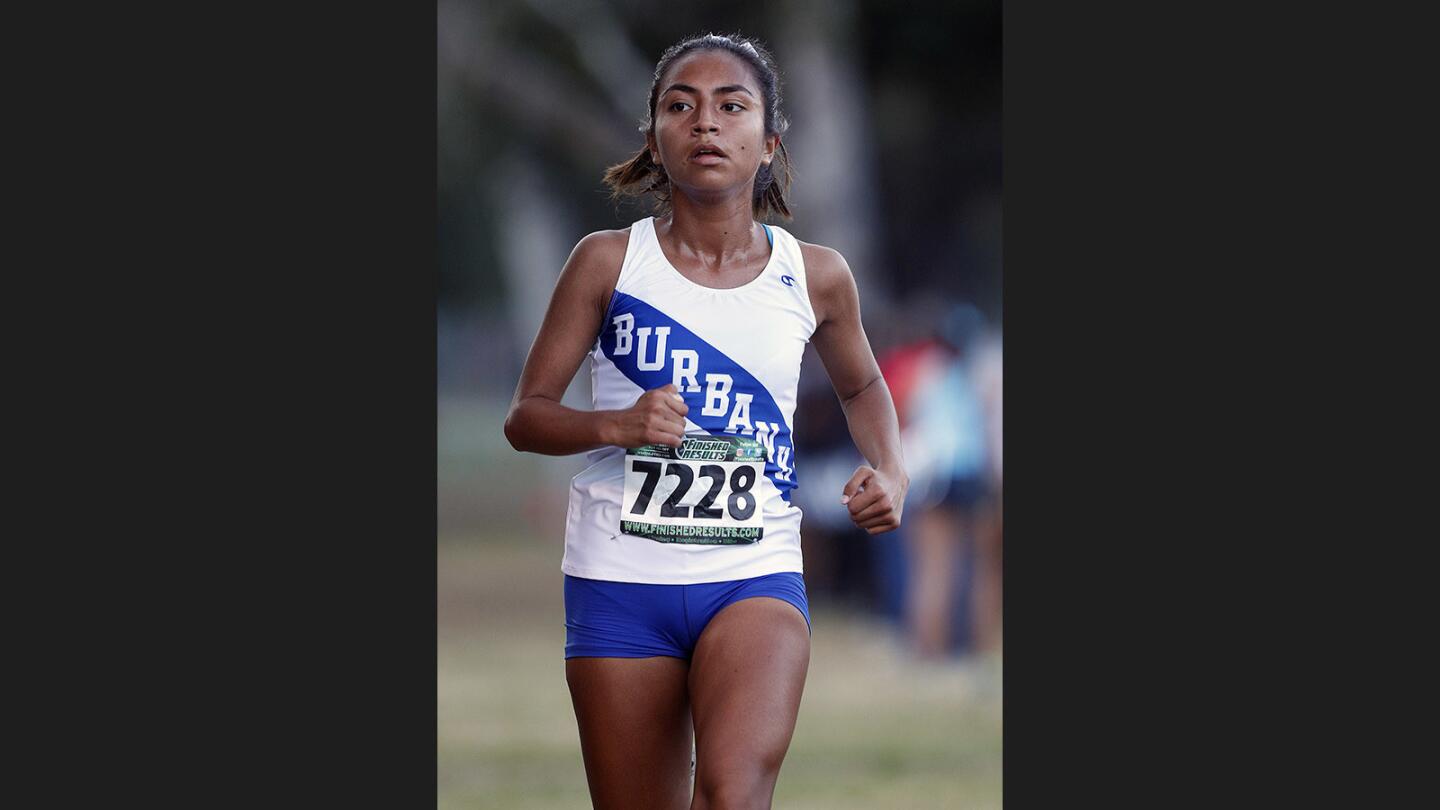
704 491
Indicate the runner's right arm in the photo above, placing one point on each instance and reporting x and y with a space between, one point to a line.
537 421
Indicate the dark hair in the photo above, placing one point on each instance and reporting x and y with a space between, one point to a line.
639 175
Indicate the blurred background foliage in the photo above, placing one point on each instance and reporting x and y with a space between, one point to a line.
895 135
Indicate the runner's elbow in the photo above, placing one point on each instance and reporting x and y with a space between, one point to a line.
515 432
869 384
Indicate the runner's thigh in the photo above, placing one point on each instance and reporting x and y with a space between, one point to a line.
635 731
745 684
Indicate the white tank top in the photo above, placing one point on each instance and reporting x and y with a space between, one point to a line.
735 356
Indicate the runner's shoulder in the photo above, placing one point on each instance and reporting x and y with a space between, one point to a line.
828 276
595 262
601 249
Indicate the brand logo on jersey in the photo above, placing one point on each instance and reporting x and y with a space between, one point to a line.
788 280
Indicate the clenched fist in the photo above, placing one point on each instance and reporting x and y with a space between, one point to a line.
875 498
657 417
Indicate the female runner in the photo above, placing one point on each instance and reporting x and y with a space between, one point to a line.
685 607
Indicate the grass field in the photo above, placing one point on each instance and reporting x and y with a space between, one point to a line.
876 729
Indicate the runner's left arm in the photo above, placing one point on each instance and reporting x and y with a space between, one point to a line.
875 493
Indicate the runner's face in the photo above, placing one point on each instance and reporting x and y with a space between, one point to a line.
710 99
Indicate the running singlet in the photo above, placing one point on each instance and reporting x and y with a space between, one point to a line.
718 507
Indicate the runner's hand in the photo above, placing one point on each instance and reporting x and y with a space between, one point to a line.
657 417
875 499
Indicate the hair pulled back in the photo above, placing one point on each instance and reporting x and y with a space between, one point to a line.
640 175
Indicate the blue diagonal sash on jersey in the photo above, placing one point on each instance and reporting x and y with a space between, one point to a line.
712 360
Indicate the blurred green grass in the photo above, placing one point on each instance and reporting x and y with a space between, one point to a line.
876 729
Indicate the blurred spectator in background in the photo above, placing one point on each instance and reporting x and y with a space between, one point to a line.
987 365
938 576
942 578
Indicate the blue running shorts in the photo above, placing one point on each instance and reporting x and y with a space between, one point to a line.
635 620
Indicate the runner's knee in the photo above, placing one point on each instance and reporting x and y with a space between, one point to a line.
735 785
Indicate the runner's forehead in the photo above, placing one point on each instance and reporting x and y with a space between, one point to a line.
710 70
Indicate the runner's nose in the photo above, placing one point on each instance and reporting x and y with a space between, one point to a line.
704 122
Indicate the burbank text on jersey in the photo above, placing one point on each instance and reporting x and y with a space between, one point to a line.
744 409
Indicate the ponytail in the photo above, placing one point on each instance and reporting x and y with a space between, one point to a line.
637 177
771 185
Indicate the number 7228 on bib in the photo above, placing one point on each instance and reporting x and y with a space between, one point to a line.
703 492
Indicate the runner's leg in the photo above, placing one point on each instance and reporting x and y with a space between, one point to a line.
746 679
635 731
